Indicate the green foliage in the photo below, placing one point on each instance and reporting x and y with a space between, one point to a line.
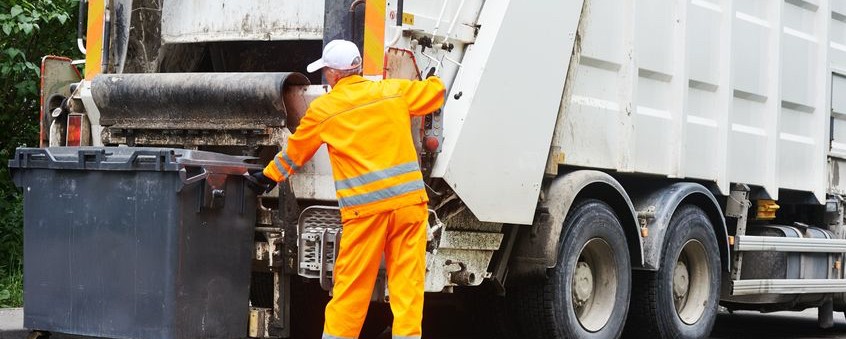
11 289
29 30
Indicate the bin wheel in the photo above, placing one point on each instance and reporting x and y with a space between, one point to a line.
38 335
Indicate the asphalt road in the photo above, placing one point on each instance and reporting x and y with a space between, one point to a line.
788 325
741 325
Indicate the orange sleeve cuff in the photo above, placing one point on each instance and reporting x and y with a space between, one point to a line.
272 172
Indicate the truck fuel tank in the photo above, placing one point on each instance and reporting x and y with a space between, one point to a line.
786 265
769 265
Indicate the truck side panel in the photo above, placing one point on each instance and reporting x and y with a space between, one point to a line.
724 91
837 57
498 130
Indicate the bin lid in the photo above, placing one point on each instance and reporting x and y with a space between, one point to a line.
129 159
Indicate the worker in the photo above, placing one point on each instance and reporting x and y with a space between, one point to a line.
366 126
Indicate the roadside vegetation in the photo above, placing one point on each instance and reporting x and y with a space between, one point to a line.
29 30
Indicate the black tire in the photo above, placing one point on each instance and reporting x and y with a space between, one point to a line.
546 308
654 312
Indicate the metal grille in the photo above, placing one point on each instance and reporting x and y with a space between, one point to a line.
319 238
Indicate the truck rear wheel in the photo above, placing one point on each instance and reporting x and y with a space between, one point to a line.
681 299
587 293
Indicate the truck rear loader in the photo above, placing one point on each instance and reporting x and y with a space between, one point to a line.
599 167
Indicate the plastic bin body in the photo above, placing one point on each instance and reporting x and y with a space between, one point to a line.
136 247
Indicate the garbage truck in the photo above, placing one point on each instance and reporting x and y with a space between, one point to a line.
599 168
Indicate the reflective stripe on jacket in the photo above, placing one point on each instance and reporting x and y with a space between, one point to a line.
367 128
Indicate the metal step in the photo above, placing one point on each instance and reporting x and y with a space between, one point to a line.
787 286
748 243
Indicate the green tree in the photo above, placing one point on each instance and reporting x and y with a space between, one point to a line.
29 30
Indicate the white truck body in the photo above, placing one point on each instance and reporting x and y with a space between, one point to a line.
722 91
719 91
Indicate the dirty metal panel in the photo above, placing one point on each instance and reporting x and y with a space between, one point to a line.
444 267
165 137
836 175
314 180
260 322
57 74
122 14
144 40
230 20
470 240
198 100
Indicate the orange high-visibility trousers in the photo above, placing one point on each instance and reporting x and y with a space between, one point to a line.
401 235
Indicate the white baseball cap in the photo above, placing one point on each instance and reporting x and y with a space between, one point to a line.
338 54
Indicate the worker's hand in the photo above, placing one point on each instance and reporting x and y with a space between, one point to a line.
259 182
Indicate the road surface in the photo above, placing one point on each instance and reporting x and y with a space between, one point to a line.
741 325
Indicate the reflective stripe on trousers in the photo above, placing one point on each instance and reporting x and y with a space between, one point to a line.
326 336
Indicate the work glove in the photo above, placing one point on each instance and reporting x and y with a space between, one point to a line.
258 182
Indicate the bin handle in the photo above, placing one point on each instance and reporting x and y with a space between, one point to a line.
24 157
183 175
85 155
163 157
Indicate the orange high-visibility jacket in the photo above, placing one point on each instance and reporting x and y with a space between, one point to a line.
366 126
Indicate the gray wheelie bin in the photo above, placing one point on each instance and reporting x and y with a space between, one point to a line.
128 242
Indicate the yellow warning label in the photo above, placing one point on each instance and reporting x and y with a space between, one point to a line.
407 19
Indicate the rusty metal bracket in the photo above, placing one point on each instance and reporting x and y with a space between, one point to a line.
737 207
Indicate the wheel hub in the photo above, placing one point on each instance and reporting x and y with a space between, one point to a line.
681 280
691 282
582 283
593 284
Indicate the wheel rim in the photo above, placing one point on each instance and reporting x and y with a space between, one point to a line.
691 285
594 285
